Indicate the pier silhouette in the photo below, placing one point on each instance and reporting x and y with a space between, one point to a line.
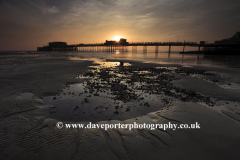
123 45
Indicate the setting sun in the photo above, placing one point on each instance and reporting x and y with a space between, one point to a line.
117 38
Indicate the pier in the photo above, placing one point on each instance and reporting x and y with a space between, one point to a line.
123 45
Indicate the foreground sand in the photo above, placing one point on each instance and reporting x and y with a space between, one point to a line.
34 136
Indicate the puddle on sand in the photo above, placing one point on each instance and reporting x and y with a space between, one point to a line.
75 103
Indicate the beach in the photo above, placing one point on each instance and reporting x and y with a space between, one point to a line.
40 89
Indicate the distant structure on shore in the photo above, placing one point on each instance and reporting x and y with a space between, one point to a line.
228 46
235 39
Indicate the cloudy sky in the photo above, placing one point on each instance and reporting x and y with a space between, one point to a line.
27 24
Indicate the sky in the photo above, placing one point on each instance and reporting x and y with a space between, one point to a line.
28 24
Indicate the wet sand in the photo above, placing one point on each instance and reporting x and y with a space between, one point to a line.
39 90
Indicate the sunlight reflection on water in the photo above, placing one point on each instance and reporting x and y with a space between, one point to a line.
149 57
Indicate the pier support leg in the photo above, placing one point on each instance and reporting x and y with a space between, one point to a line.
134 49
144 49
156 49
199 49
183 48
169 51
